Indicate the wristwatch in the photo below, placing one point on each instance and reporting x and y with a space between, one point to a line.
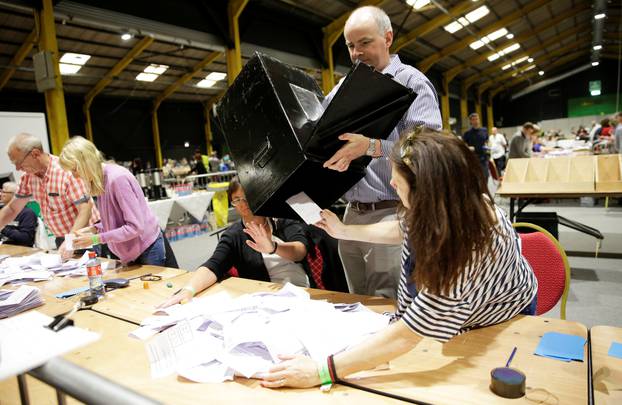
371 149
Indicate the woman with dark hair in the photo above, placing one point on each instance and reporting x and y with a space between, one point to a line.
462 266
260 248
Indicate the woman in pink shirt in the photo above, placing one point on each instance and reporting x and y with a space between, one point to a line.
127 226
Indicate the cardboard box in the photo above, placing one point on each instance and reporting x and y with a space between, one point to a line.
559 175
609 173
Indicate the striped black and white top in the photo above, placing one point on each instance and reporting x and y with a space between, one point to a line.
493 291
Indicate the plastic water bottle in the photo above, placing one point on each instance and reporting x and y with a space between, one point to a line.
94 271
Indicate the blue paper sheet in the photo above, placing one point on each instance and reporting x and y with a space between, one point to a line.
73 292
560 346
615 350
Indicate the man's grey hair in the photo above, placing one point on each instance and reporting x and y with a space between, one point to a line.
9 186
473 115
25 142
383 22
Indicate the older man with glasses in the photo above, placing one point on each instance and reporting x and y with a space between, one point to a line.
66 205
22 230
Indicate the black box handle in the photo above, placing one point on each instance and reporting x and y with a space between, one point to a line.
264 155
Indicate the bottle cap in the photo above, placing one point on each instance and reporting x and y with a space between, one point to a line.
92 254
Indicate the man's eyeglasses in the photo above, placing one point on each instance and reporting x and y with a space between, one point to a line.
237 201
18 164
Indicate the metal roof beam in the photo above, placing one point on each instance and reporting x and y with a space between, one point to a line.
18 58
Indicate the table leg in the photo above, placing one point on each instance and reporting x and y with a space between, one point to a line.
23 389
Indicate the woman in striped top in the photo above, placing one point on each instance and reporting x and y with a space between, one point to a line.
469 268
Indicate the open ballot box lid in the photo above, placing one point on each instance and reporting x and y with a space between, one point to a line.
279 133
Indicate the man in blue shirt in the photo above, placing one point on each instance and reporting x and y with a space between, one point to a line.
21 231
477 139
374 269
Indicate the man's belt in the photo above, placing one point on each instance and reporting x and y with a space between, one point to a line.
379 205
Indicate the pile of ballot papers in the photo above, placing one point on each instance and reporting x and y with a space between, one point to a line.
15 301
211 339
40 266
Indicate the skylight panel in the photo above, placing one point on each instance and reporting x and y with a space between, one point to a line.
68 69
75 58
417 4
146 77
467 19
156 69
216 76
206 83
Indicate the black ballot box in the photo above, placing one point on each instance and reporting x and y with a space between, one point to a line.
279 133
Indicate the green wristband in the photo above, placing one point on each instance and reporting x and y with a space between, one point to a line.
95 240
324 374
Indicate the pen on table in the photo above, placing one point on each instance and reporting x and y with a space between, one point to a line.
511 357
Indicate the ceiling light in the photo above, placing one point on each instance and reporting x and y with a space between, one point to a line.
595 92
516 62
504 51
68 69
467 19
75 58
509 36
417 4
595 63
453 27
126 36
599 16
541 73
497 34
147 77
528 68
488 38
216 76
186 144
477 14
530 60
206 83
598 47
156 69
510 49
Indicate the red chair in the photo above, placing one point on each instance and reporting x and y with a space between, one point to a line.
548 260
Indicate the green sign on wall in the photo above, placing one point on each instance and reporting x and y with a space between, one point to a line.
596 105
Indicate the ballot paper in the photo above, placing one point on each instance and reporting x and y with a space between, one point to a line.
40 266
69 238
305 207
179 348
14 302
26 342
207 338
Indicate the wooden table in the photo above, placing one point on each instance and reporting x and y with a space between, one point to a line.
607 370
456 372
14 250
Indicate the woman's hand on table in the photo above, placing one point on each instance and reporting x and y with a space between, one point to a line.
182 295
294 371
